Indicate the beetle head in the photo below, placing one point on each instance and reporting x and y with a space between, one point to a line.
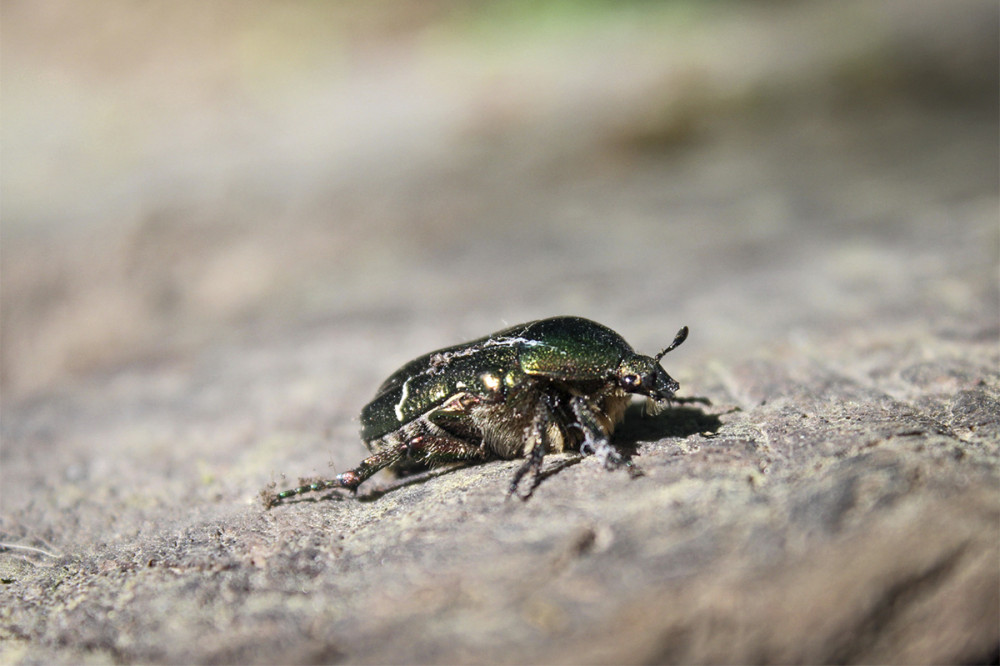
644 374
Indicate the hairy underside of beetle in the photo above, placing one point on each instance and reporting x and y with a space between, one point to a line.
512 429
540 418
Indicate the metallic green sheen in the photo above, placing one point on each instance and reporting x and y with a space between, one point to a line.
569 348
572 348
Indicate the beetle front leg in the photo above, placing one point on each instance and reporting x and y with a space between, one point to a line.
596 440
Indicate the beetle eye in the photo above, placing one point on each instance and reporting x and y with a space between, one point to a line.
631 381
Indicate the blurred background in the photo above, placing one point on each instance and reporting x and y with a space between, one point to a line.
224 223
179 174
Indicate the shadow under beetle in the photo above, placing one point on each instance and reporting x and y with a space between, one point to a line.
547 386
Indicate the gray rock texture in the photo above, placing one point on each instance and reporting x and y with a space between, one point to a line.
823 216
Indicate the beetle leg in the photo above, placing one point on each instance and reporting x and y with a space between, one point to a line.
430 445
537 433
442 449
340 481
349 480
595 439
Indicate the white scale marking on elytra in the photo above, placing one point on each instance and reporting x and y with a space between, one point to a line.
402 399
438 361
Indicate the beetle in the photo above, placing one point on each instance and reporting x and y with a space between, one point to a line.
547 386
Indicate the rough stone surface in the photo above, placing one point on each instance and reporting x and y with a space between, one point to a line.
834 249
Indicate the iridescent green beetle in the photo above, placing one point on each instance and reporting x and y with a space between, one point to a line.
547 386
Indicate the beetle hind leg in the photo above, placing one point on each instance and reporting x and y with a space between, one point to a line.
424 443
437 449
349 480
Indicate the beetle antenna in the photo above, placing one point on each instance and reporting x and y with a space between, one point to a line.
678 339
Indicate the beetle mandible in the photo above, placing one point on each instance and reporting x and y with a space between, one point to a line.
546 386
